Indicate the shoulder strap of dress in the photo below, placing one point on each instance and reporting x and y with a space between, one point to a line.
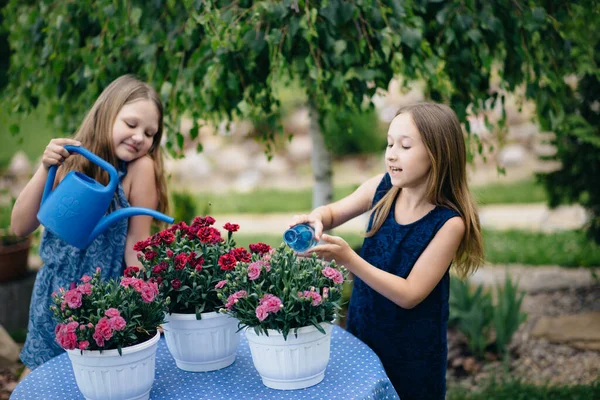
384 186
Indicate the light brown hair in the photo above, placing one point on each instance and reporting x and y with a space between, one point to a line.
96 133
447 186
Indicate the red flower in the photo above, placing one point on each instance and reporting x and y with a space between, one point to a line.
227 262
176 283
260 248
169 253
209 235
231 227
180 260
157 269
203 221
149 255
141 245
131 271
155 240
241 254
167 237
180 226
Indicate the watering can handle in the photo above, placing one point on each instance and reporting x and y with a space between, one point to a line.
112 172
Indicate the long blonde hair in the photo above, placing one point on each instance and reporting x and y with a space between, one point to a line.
96 130
447 185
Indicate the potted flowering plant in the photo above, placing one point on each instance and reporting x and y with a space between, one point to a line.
105 326
187 262
286 302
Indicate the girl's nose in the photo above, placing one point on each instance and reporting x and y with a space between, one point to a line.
138 137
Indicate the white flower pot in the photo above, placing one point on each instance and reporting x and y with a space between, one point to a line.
108 375
202 345
295 363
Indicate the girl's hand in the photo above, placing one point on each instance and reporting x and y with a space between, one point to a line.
55 153
336 249
313 219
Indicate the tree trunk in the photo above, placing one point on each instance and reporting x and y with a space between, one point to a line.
321 164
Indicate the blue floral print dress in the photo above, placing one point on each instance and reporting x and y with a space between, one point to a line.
64 264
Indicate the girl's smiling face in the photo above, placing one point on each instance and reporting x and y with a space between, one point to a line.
406 157
134 129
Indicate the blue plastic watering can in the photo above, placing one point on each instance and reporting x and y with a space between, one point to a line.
75 210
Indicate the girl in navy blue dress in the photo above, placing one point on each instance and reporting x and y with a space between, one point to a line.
124 127
422 218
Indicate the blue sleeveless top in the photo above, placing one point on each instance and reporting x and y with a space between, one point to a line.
64 264
411 344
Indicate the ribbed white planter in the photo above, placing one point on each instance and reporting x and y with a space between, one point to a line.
202 345
295 363
108 375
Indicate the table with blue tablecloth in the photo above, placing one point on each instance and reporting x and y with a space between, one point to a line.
353 372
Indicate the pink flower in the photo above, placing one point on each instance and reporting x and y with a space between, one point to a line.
73 298
112 312
125 282
232 299
103 330
253 271
65 335
272 303
83 345
98 338
316 297
333 274
325 292
86 278
117 323
148 293
86 288
261 313
220 284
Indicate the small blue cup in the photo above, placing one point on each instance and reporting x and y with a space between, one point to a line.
300 237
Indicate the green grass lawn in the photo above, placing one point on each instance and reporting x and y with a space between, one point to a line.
33 137
567 249
267 201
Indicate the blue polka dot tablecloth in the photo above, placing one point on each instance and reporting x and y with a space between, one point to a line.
353 372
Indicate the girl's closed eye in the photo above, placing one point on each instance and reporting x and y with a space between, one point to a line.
130 124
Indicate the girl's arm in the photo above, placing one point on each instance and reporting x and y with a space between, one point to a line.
425 275
140 180
23 219
335 214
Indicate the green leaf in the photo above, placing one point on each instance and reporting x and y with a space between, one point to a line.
412 37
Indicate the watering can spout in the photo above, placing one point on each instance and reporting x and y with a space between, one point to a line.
117 215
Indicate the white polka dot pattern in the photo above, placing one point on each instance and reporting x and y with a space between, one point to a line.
353 372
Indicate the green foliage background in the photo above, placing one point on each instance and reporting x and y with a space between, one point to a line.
223 59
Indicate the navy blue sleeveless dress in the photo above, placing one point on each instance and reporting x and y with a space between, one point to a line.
411 344
64 264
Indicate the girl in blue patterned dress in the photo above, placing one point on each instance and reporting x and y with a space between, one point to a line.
124 127
422 218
